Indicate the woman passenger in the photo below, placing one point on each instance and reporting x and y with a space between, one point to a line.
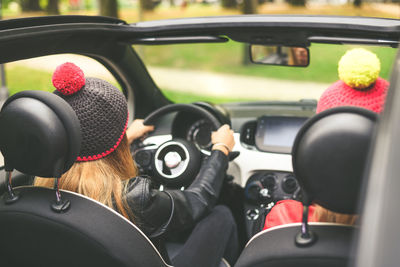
360 86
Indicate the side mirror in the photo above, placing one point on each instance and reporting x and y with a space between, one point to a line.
280 55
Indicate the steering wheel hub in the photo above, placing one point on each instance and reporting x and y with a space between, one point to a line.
176 162
172 159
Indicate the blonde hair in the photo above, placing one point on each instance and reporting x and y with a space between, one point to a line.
322 214
104 180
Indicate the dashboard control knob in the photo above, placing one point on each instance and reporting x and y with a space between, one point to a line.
269 181
252 190
289 184
247 135
264 194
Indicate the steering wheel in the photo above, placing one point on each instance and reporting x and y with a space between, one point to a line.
176 162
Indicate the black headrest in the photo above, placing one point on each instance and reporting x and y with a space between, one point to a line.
39 134
329 156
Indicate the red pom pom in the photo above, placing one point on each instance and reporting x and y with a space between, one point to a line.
68 79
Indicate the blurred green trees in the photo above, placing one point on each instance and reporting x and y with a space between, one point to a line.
109 8
297 2
30 5
249 6
357 3
229 3
53 7
129 9
147 4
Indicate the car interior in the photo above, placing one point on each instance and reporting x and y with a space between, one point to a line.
284 150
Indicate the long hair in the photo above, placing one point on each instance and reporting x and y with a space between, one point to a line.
322 214
104 180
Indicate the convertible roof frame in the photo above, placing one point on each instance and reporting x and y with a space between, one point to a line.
54 20
280 29
256 29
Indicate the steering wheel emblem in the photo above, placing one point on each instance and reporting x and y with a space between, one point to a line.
172 159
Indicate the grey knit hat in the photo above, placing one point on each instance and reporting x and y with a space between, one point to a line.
101 109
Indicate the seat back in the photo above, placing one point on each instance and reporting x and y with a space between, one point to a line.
87 234
40 136
275 247
329 157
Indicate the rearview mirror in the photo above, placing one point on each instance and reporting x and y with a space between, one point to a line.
280 55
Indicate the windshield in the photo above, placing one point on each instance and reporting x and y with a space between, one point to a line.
222 72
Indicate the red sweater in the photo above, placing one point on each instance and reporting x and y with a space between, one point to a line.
287 211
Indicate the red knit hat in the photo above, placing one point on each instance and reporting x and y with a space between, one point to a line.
100 107
340 94
359 86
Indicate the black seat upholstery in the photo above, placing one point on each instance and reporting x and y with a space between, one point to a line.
329 156
40 135
332 249
88 234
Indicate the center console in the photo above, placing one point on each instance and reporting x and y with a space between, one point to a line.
263 189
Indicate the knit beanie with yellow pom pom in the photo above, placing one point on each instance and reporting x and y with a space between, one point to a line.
359 84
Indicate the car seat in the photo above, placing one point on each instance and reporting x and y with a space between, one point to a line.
329 156
40 135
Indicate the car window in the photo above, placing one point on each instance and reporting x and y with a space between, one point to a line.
37 72
222 73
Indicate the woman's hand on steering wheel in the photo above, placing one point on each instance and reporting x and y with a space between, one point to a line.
175 163
137 129
223 139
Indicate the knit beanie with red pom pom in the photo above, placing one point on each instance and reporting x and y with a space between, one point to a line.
359 84
101 109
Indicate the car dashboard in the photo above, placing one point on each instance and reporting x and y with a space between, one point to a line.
264 134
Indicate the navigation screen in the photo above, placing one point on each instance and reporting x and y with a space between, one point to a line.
277 134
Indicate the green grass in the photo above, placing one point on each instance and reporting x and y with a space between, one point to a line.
180 97
23 78
227 58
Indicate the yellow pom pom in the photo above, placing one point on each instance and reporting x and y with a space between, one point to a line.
359 68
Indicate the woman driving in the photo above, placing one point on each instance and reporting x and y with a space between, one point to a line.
105 171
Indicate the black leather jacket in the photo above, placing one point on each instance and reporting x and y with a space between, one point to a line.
157 211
